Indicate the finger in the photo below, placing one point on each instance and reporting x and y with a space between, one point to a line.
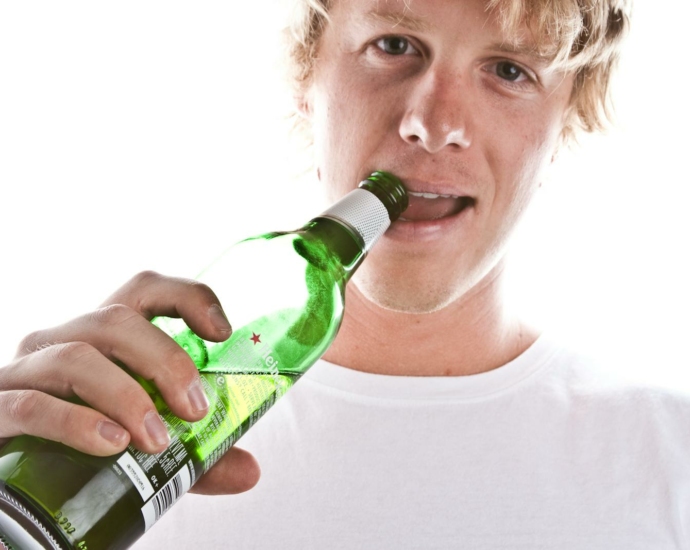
236 472
36 413
121 334
78 369
152 294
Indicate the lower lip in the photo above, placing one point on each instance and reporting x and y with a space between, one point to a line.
428 230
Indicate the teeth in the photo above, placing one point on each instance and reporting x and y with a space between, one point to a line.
430 195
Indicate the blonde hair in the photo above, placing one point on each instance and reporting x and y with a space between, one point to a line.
582 36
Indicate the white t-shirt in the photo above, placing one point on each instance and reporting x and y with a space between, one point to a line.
546 452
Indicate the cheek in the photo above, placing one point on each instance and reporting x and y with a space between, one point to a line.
518 156
335 136
528 142
350 120
525 134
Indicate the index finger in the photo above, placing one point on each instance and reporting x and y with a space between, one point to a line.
151 294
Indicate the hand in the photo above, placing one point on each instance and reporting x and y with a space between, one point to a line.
58 369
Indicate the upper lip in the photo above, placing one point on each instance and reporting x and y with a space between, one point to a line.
437 188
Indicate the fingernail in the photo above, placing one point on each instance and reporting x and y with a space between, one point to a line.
157 430
218 318
197 397
114 433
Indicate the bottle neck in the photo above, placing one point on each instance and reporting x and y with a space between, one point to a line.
364 213
344 244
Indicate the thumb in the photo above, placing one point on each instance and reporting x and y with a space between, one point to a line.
237 471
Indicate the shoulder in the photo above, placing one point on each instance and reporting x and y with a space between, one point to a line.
589 384
602 416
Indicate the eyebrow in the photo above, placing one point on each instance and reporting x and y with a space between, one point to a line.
527 50
400 20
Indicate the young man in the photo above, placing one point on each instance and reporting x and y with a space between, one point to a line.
439 419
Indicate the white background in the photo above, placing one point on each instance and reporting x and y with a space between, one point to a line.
148 135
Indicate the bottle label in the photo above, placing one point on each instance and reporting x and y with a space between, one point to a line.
137 475
167 495
242 382
160 479
237 400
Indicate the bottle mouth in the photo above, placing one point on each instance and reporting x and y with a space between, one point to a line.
390 190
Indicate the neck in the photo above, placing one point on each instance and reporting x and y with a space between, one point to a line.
474 334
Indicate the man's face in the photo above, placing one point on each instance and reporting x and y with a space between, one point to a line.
437 94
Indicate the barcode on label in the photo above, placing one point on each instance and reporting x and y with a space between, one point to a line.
166 496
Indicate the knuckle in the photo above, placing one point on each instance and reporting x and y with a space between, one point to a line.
129 292
114 314
130 392
61 361
178 364
72 352
33 342
199 287
26 403
144 278
69 420
202 291
134 396
131 407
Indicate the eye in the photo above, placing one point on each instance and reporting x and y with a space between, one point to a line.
395 45
509 71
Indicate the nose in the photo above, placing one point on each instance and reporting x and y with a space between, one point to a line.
437 114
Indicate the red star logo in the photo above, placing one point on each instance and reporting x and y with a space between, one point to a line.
255 338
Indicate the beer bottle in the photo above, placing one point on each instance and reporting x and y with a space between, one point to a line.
284 292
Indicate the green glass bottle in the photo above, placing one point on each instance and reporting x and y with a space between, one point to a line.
284 295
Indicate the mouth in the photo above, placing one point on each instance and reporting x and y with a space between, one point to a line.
426 206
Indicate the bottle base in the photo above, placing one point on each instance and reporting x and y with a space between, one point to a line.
20 529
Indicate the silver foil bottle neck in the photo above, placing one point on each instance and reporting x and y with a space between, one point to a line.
363 212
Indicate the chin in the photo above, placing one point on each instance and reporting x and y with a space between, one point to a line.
403 296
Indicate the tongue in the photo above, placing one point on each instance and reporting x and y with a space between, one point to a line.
431 209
